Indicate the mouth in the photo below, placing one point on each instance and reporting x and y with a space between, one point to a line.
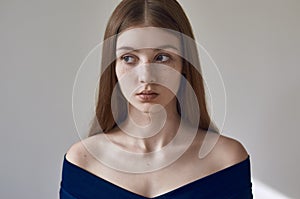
147 95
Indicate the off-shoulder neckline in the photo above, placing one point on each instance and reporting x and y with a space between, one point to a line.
187 185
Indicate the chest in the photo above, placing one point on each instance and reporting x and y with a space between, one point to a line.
154 183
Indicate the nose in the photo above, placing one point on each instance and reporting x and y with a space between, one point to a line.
146 73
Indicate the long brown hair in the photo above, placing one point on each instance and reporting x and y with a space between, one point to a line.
143 13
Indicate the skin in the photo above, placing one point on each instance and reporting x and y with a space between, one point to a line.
149 62
138 63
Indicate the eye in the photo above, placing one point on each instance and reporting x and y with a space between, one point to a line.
129 59
162 58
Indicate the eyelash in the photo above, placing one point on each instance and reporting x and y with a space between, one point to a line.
127 56
134 57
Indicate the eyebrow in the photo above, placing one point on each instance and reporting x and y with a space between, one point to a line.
155 49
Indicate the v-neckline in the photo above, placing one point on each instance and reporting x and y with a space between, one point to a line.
184 186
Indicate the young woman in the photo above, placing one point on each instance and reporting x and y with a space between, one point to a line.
151 117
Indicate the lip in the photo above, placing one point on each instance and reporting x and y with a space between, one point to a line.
147 95
147 92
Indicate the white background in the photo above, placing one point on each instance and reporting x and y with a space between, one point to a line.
255 44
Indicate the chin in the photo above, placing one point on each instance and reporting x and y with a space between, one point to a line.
148 108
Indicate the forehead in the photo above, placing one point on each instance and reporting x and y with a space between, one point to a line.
149 37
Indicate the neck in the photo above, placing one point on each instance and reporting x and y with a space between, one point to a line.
150 131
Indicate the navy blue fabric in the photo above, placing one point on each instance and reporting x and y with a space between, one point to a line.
233 182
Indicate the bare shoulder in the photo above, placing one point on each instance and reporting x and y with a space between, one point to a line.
229 151
83 153
78 154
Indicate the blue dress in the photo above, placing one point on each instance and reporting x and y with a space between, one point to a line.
233 182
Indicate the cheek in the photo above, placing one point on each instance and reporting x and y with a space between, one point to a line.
176 83
120 71
126 80
171 78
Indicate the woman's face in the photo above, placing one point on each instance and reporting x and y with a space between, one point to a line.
148 66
